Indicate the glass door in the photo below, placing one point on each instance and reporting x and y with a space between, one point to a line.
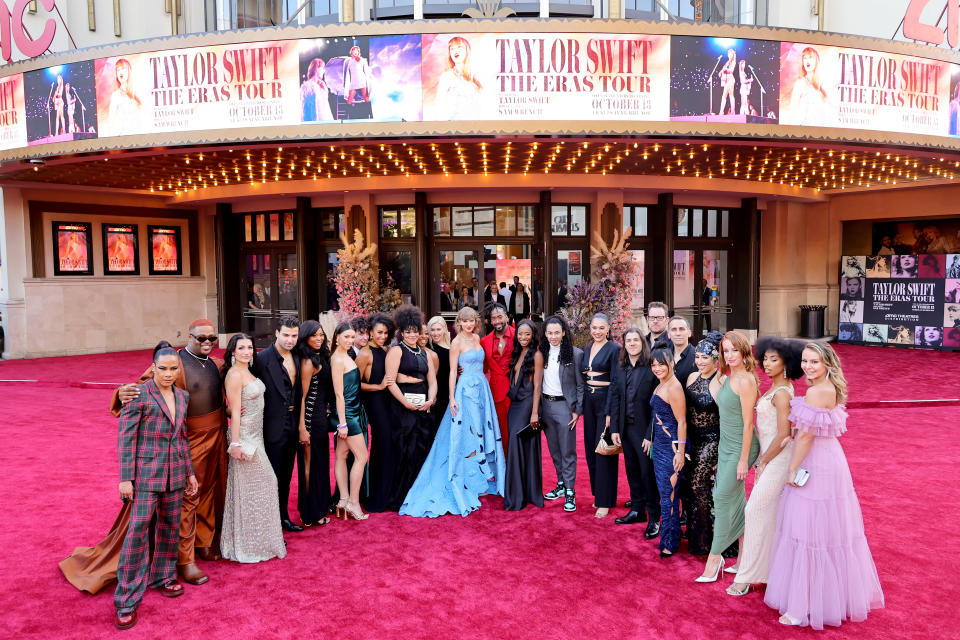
472 275
272 284
459 279
700 293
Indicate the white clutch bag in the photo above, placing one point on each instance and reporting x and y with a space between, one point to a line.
247 449
416 399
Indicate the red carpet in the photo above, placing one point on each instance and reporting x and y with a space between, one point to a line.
495 574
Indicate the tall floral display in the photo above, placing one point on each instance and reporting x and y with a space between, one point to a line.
358 289
608 291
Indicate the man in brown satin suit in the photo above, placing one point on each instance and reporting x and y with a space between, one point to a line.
201 513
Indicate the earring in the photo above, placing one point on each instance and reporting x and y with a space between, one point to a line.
828 374
233 360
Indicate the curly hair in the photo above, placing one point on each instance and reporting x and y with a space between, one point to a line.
527 367
386 321
307 330
360 323
788 350
408 317
566 346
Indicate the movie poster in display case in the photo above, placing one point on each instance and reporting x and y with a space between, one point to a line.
166 253
72 248
121 251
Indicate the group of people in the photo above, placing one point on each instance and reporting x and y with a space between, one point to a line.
425 425
515 299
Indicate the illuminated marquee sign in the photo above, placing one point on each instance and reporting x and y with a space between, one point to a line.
11 28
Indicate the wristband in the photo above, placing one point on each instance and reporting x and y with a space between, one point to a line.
342 426
234 444
679 442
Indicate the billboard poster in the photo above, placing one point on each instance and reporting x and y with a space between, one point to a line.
72 249
165 251
217 87
724 79
60 103
953 125
913 237
840 87
360 78
543 76
13 130
120 250
902 299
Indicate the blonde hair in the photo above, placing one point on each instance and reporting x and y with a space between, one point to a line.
831 361
446 332
467 313
741 344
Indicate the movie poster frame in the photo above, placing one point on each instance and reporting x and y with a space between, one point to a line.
151 231
107 271
88 232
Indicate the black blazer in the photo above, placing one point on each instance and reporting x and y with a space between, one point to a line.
524 305
279 421
643 413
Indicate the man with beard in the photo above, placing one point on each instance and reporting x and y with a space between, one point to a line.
498 350
202 512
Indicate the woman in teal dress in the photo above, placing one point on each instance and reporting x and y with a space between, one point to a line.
466 460
737 450
351 423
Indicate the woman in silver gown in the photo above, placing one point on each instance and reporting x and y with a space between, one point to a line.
251 515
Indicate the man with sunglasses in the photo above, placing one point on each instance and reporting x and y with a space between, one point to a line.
201 513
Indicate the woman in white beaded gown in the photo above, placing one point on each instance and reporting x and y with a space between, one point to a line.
251 516
781 362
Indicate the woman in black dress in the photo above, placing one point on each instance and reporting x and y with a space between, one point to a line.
413 385
599 361
440 343
524 482
314 473
372 362
703 433
434 359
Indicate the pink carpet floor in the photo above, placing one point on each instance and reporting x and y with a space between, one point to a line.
494 574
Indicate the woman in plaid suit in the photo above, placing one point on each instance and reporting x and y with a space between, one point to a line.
155 471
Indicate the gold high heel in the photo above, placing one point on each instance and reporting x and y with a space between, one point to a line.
340 509
349 511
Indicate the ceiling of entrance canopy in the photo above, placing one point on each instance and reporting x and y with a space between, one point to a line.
176 171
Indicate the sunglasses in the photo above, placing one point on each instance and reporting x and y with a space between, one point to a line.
205 338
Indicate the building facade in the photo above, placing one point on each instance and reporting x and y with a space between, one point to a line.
205 158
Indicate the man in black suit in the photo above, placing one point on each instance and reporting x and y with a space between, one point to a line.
631 426
278 367
561 295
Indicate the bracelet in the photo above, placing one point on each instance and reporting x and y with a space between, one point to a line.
679 442
234 444
342 426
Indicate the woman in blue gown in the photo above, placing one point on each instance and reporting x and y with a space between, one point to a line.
466 460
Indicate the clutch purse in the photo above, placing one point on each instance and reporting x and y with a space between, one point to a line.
529 430
604 447
416 399
801 478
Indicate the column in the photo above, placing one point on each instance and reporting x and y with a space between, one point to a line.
658 282
228 229
14 239
422 291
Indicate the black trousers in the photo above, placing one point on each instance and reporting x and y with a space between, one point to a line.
639 468
603 469
282 454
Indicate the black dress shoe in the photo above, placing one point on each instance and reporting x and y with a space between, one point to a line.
289 526
653 530
631 518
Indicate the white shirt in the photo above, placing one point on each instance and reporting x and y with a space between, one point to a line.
551 375
507 294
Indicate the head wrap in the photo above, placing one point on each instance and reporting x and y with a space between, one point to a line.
200 322
710 345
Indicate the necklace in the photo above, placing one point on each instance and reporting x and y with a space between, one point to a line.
416 353
202 361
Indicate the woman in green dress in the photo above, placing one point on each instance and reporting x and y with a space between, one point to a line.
351 424
737 450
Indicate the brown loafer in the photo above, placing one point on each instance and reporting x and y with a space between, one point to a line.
191 574
124 621
171 589
210 554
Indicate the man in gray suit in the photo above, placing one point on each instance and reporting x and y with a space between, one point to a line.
561 406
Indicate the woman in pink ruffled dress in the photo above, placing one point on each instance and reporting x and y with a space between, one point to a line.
821 570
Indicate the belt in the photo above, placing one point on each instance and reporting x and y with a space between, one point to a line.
553 398
595 388
290 408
